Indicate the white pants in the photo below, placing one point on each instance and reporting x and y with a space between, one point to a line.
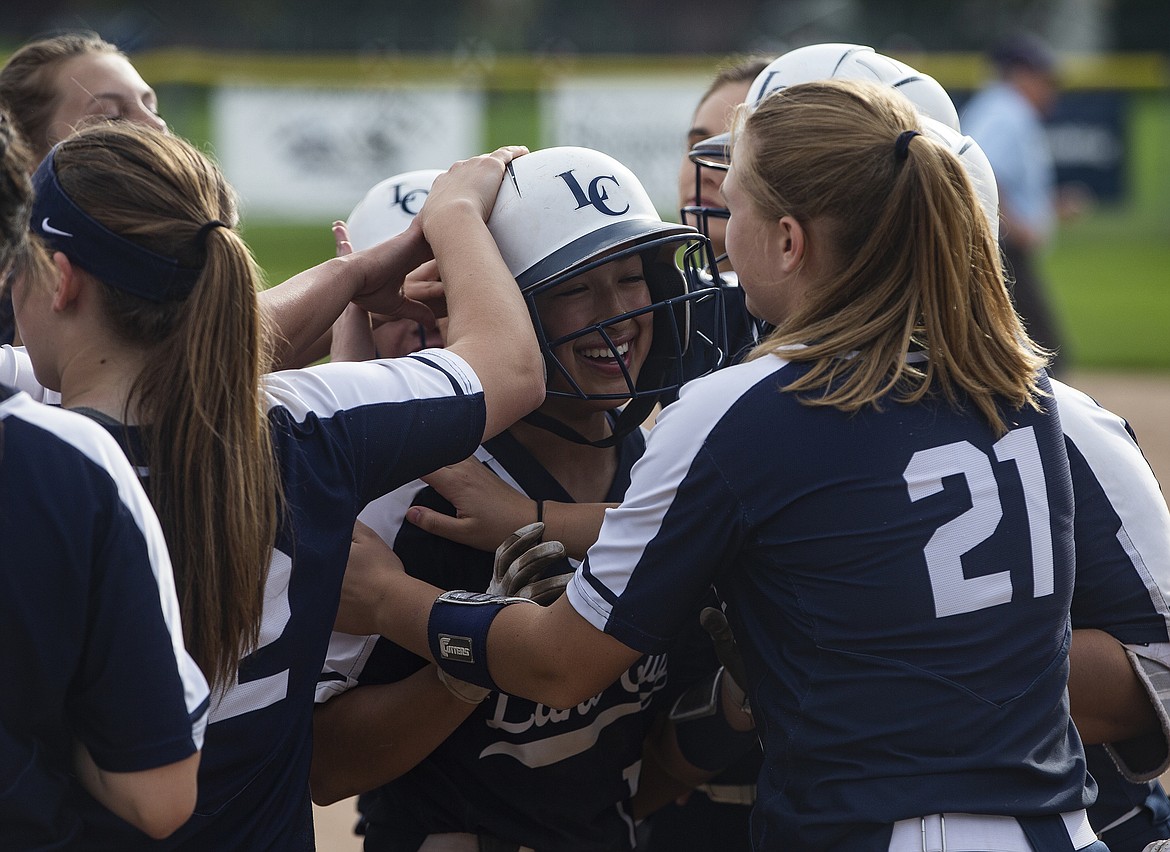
978 833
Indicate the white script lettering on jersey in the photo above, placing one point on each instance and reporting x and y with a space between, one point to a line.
640 682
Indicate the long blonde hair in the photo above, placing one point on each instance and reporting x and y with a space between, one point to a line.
213 474
913 264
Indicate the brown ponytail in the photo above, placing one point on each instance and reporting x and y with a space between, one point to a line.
213 475
15 193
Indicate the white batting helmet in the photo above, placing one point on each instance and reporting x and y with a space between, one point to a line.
855 62
563 211
388 208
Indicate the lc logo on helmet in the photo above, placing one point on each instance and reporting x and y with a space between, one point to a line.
597 195
410 203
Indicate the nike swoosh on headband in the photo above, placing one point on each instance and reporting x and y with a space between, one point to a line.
49 229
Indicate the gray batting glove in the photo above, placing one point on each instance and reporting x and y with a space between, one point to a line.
518 572
521 563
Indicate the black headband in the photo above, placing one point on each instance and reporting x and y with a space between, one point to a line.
902 144
112 259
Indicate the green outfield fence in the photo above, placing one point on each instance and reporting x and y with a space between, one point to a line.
1110 271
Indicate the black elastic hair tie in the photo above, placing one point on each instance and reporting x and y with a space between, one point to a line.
205 229
902 144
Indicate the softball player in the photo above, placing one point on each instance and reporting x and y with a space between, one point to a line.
614 316
257 480
878 494
1122 531
1119 590
87 604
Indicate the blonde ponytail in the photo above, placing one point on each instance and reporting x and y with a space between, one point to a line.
913 266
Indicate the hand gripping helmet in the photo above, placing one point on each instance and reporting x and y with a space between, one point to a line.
388 208
563 211
810 64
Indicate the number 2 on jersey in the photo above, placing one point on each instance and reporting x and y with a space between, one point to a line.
246 696
954 593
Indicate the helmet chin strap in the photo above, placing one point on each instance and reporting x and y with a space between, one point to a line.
622 423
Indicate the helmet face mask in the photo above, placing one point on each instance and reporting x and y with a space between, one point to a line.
713 153
572 210
671 304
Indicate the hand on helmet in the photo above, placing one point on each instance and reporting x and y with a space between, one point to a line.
474 181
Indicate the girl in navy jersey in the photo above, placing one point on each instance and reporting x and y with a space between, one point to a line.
146 317
880 494
101 695
615 316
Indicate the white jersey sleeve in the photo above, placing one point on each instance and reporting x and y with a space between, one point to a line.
1123 559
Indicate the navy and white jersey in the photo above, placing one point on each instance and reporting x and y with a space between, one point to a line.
899 581
92 640
553 780
1122 535
344 434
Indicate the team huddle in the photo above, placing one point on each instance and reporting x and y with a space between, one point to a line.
595 532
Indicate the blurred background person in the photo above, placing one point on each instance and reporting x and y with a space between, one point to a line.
1007 120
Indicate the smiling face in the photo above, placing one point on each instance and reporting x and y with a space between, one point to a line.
590 299
95 86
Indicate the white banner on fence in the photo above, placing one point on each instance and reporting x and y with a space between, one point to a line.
310 154
640 121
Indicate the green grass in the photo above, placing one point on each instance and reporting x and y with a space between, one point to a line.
283 250
1113 293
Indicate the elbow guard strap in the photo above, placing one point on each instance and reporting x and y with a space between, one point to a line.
457 632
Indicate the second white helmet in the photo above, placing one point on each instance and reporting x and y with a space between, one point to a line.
836 61
389 207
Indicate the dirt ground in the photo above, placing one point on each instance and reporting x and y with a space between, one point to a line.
1143 400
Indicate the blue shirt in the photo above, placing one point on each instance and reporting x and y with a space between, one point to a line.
91 643
1011 134
899 581
1122 532
516 769
343 434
